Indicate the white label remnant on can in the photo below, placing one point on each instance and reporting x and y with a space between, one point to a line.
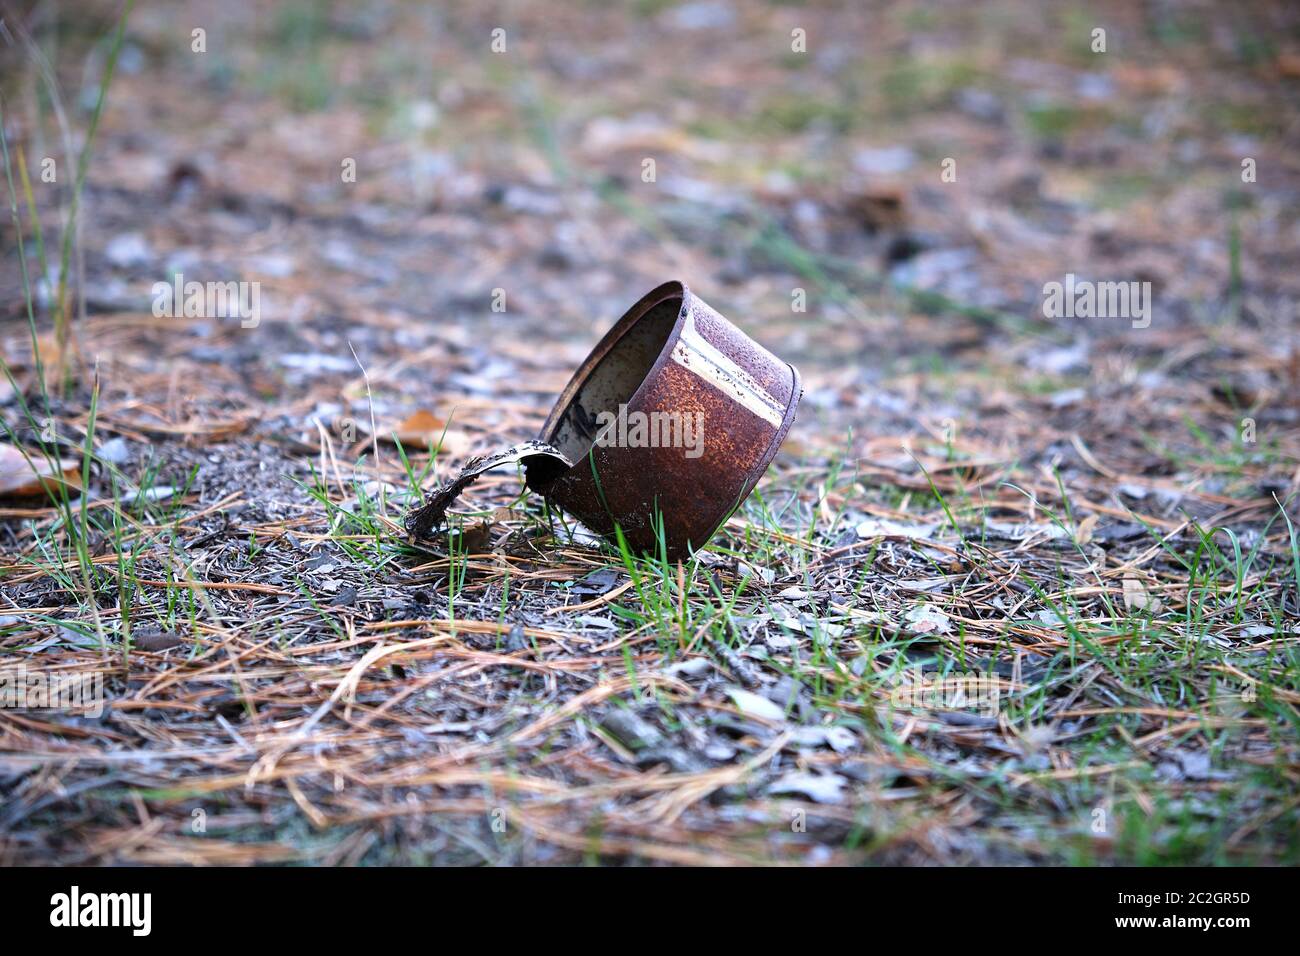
695 354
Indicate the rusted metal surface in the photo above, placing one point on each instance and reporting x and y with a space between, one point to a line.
670 354
670 359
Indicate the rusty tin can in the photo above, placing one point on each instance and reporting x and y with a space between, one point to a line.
670 361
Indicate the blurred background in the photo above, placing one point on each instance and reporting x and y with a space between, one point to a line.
875 190
503 144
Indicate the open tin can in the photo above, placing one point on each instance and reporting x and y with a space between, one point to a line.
670 366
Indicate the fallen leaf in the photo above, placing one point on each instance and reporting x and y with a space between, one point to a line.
753 705
19 480
691 667
18 353
884 528
422 428
156 493
1083 533
1288 64
631 730
1021 532
766 575
476 539
928 619
1138 598
879 207
823 788
155 640
839 739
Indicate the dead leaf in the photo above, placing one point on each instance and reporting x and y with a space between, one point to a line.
879 207
1288 64
1138 598
155 640
754 705
928 619
839 739
1083 533
19 480
1043 531
476 539
422 428
884 528
820 787
18 351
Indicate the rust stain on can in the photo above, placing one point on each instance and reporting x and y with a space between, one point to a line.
670 362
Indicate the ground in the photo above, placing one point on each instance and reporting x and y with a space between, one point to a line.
1085 525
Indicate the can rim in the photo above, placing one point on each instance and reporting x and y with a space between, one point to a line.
666 290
